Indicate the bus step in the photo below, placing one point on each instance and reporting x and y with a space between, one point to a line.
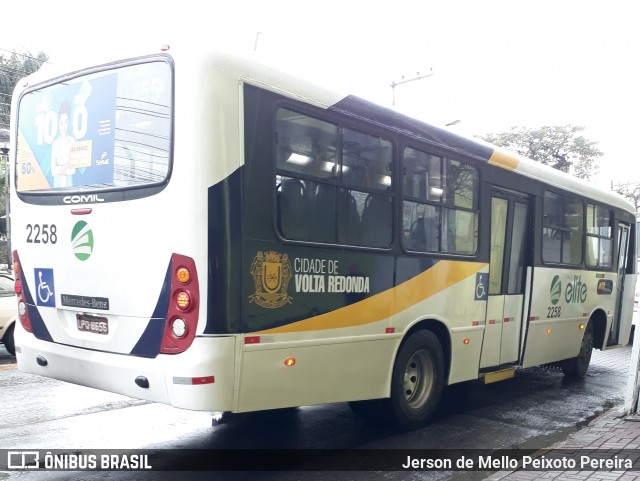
497 376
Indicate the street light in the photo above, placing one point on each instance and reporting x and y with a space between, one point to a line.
418 76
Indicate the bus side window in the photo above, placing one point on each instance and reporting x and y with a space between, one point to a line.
377 221
562 229
327 172
349 219
424 233
322 224
292 208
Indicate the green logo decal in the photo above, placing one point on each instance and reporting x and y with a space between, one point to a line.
82 240
556 289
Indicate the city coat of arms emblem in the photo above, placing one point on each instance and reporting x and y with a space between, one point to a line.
271 274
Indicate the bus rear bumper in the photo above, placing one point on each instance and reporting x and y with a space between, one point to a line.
201 378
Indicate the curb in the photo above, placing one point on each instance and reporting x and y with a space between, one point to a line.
615 413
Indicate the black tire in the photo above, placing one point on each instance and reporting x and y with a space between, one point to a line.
418 380
9 343
576 367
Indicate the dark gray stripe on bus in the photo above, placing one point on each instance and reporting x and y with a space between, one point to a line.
149 343
393 121
38 326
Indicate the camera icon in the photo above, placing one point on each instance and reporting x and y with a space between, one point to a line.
23 459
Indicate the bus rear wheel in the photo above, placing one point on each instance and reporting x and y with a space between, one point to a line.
576 367
418 380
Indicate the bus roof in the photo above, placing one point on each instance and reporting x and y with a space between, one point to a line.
257 72
261 75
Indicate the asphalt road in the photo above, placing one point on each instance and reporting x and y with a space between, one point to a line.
534 410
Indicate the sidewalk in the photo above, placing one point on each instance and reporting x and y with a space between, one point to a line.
613 430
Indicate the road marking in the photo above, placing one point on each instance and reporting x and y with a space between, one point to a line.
8 367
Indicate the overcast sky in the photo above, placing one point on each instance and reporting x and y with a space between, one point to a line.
496 63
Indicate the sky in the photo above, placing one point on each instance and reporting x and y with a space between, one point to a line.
495 63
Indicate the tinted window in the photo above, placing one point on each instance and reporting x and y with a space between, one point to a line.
334 183
562 232
599 237
440 206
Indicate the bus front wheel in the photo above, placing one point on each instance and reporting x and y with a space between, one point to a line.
418 380
576 367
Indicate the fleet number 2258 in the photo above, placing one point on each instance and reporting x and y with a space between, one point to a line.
42 234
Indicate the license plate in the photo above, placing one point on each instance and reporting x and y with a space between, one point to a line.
93 324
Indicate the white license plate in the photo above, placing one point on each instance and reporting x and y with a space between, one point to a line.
93 324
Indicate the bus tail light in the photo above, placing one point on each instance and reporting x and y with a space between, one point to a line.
182 313
23 312
183 300
178 327
183 275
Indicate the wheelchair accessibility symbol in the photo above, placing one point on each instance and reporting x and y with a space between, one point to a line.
482 281
45 290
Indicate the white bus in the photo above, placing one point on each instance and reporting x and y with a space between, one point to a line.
199 229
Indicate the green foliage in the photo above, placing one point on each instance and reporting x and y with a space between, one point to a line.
631 191
13 67
561 147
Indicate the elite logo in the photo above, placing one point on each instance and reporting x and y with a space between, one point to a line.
82 240
575 292
556 290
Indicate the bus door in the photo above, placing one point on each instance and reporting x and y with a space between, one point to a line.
623 246
510 256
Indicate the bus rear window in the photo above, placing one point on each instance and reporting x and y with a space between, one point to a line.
106 130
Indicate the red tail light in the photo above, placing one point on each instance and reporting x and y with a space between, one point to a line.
184 306
183 300
23 313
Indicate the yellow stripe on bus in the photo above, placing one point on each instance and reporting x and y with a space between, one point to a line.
501 159
441 276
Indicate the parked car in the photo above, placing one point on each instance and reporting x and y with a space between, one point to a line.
8 312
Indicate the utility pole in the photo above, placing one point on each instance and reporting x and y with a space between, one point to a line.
404 80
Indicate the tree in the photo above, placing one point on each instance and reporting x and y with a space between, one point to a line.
629 190
12 69
561 147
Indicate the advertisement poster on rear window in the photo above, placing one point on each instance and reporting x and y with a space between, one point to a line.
66 135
